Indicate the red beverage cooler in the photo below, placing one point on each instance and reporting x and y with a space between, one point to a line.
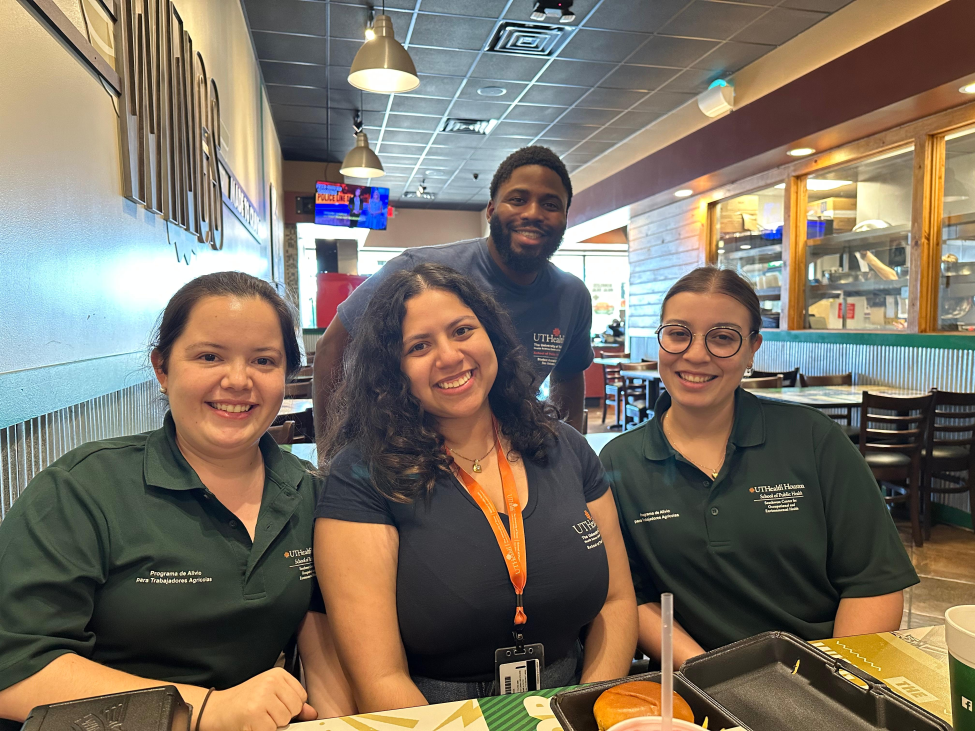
333 289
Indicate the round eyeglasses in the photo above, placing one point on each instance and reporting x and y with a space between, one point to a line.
721 342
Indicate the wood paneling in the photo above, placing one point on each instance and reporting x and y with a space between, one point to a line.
925 251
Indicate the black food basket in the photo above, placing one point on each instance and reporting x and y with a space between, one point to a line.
777 682
573 708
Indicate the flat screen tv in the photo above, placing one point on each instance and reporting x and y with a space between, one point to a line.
355 206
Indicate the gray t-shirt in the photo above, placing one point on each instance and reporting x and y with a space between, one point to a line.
553 314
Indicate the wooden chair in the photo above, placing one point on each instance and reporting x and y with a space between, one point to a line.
949 450
766 382
612 391
892 437
283 433
638 395
306 372
843 415
300 389
789 378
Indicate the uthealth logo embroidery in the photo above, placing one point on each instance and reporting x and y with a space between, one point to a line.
556 338
586 526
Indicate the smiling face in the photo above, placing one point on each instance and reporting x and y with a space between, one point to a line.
225 375
527 217
696 379
447 356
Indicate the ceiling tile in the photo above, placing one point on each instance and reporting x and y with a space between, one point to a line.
732 56
293 74
502 66
588 116
578 73
400 136
612 134
454 140
308 156
412 122
304 143
342 53
562 96
509 144
575 158
824 6
441 61
288 113
669 51
483 8
446 31
296 95
440 86
716 20
636 120
529 113
419 105
638 15
521 10
664 101
592 148
349 98
397 148
692 81
347 21
569 132
285 47
610 99
639 78
477 110
512 90
303 129
484 157
779 25
519 129
602 45
288 16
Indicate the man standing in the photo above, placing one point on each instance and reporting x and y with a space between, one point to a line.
551 309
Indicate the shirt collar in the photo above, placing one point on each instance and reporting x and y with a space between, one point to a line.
165 466
748 429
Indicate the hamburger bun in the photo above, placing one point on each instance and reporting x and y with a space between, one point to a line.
633 699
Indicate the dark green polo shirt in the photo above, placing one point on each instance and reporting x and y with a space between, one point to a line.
117 552
793 523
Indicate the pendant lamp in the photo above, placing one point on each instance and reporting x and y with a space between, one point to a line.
362 162
382 65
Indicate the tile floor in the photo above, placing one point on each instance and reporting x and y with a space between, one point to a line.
945 564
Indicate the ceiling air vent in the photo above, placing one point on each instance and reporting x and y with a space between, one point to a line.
469 126
526 39
415 194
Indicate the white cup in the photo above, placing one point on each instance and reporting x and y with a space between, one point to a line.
960 638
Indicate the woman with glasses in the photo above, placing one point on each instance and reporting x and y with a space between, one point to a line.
757 515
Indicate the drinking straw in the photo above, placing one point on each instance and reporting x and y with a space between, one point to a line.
666 661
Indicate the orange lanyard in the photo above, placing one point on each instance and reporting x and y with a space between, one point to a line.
513 546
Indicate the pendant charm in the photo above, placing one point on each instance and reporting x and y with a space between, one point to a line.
477 466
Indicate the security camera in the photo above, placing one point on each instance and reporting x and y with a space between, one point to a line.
475 176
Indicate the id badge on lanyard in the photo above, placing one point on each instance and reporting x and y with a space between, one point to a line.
518 669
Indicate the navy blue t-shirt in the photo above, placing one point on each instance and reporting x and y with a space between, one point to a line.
453 593
553 314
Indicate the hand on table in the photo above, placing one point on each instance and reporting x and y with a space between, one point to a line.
264 703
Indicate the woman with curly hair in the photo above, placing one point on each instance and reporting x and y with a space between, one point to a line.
461 521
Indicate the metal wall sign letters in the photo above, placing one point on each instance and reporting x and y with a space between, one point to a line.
169 121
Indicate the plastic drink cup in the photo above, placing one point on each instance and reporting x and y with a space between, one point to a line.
960 637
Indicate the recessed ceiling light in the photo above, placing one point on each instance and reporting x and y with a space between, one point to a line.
683 192
968 89
801 151
745 247
492 91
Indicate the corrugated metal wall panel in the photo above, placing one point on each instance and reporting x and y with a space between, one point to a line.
29 447
904 367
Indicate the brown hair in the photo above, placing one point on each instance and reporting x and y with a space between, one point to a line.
712 280
225 284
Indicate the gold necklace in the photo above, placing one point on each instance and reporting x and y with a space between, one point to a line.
706 470
477 462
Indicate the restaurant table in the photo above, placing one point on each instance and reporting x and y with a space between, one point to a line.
913 664
308 451
825 396
612 361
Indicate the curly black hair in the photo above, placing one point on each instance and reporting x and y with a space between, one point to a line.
375 410
534 155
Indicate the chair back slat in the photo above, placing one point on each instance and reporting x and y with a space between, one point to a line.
789 378
836 379
775 381
910 415
953 415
